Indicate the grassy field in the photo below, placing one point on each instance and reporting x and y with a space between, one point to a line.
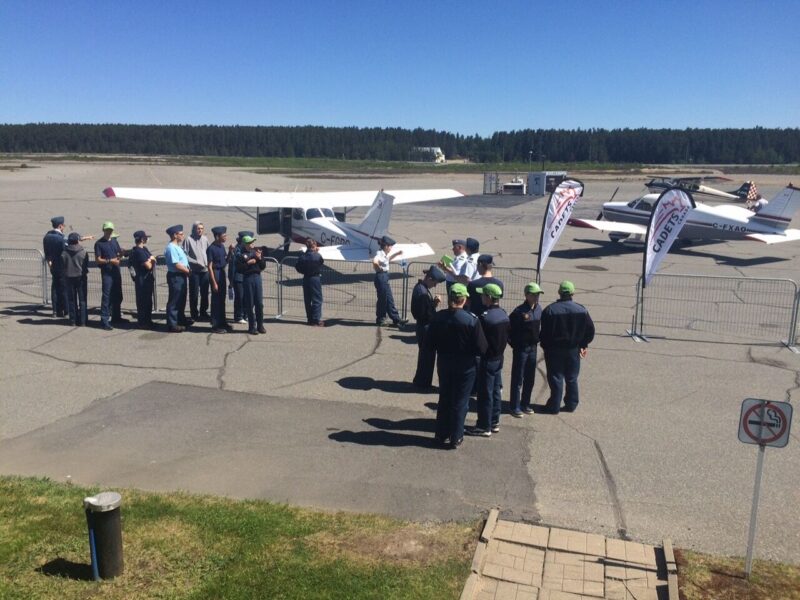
185 546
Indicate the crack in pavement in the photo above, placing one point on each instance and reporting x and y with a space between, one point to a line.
221 370
108 364
370 354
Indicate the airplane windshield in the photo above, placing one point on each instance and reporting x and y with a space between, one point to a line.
313 213
642 204
328 213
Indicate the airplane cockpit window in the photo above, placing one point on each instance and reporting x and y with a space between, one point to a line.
298 214
328 213
643 203
313 213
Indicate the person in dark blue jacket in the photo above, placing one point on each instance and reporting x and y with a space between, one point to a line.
53 245
236 279
567 331
250 263
217 258
143 263
108 255
309 263
423 308
456 337
524 339
495 324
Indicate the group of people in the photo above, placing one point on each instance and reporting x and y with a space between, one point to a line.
197 270
467 341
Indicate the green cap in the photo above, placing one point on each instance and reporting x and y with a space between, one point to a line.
566 287
491 289
248 239
458 290
533 288
108 225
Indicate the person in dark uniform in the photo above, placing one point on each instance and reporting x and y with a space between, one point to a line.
53 245
484 276
250 263
525 325
75 266
235 277
143 262
456 337
309 263
177 280
217 258
108 255
495 324
567 331
385 303
423 308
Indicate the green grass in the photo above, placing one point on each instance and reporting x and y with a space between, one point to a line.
186 546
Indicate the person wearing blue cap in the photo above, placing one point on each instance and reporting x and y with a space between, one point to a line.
472 247
567 330
250 264
177 276
309 263
217 259
53 245
385 304
423 308
75 266
143 263
236 279
108 255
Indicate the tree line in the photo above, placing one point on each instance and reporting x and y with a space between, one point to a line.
756 145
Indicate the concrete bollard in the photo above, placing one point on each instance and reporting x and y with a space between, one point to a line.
103 516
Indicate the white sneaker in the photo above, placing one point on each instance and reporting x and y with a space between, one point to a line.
242 321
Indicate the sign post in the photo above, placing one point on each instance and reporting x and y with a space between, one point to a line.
764 423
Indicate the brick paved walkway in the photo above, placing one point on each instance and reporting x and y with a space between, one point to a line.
518 561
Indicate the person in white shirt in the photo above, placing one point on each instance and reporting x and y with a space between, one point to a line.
385 304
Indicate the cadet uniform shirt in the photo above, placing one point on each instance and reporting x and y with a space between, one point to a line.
217 255
456 332
245 269
422 307
459 266
137 257
566 324
525 324
310 263
53 244
495 324
475 305
383 260
174 255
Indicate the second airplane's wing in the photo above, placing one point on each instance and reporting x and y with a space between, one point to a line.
789 235
411 251
609 226
240 199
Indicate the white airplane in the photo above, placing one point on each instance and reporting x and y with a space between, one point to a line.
746 191
302 215
721 222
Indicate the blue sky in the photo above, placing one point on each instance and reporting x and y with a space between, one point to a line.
467 67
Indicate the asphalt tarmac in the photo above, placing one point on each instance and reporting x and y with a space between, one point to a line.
326 418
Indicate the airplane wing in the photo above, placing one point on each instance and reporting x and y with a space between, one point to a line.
789 235
609 226
240 199
410 251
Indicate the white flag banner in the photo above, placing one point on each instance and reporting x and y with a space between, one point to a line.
669 215
558 212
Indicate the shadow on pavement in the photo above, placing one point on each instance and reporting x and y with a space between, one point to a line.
368 383
384 438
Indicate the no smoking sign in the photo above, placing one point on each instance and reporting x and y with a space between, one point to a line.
765 422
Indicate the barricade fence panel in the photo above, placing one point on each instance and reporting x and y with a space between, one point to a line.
23 277
738 307
348 290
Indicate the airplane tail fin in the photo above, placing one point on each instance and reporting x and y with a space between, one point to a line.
747 191
376 221
779 211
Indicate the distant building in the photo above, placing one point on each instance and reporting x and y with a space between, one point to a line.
432 154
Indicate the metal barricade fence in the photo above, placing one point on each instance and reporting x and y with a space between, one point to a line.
739 307
348 290
23 276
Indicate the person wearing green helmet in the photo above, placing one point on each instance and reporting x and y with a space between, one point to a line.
108 255
567 331
525 324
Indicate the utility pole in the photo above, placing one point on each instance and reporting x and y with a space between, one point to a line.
530 158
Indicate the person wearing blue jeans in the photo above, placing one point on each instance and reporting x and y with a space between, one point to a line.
177 274
567 330
250 263
310 265
495 325
524 339
107 255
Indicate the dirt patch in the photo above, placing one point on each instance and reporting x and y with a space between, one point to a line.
417 544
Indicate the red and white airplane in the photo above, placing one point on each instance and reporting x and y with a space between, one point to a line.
770 224
300 215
